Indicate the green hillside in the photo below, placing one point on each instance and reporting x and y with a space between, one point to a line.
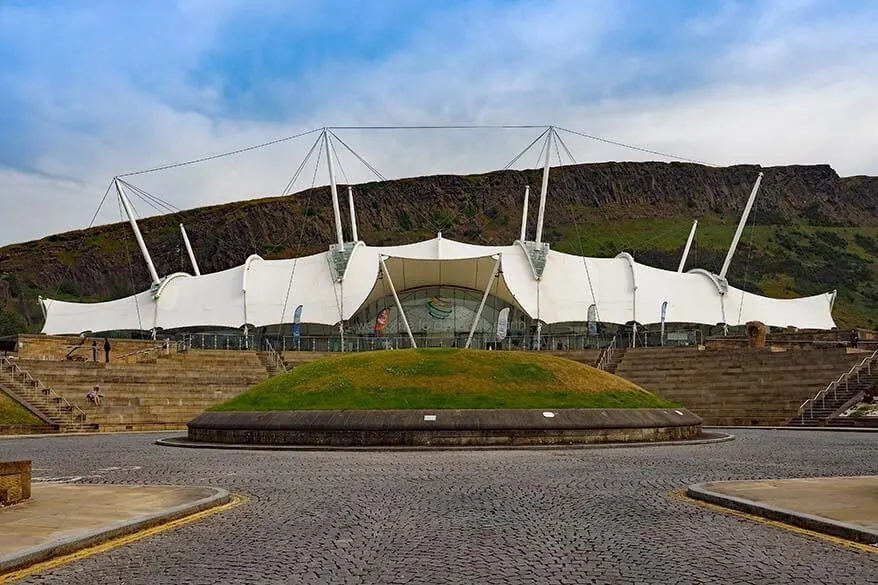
442 379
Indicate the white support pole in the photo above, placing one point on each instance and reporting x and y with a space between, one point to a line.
524 214
545 186
189 250
741 225
341 314
137 235
334 189
688 245
405 321
469 340
353 214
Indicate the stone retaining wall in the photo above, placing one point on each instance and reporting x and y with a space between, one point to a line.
15 479
445 427
56 347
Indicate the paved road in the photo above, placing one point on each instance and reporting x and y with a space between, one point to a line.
595 516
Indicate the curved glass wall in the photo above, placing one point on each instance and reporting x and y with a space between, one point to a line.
437 312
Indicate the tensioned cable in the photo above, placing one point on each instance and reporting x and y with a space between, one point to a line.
156 203
633 147
443 127
597 311
158 200
338 159
622 241
302 228
98 210
526 149
83 240
130 267
308 156
410 127
752 219
220 155
366 163
542 151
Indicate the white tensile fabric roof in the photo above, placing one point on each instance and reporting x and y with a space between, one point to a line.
267 292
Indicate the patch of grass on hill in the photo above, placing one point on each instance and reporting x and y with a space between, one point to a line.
12 413
442 379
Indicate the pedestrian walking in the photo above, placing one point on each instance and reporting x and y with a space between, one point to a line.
107 349
94 350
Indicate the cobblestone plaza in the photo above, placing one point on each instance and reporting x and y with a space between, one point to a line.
479 516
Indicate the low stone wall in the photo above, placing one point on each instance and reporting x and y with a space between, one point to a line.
27 429
14 482
444 427
56 347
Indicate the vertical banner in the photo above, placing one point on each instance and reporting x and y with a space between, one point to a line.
297 319
502 324
381 321
592 321
664 314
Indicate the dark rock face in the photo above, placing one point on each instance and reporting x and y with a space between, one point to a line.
104 262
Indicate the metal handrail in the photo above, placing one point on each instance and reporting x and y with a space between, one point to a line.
607 354
144 351
821 395
277 357
31 381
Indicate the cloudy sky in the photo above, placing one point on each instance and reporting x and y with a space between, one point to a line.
90 89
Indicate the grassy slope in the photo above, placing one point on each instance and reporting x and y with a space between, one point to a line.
442 378
12 413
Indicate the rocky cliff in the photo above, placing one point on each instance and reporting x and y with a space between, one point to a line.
811 230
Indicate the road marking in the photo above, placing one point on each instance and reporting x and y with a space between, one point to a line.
680 495
64 479
115 543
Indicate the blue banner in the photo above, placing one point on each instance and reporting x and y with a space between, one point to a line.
297 317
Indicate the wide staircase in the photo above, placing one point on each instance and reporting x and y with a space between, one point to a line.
46 404
162 393
747 386
825 407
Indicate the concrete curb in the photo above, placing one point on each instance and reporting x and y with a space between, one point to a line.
77 542
88 434
184 442
824 429
800 519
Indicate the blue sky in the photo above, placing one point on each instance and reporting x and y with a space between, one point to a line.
90 89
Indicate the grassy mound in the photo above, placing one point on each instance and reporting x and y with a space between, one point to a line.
12 413
442 379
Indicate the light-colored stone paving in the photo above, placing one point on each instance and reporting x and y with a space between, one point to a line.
60 511
852 500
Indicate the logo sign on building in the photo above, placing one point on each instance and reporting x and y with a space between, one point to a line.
502 324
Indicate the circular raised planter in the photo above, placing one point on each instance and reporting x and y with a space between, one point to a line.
444 428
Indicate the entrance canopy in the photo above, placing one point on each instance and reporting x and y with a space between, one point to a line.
267 292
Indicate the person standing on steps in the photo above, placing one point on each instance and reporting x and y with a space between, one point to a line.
107 349
94 350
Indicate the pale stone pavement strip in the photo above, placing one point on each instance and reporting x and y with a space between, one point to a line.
62 511
561 516
852 500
